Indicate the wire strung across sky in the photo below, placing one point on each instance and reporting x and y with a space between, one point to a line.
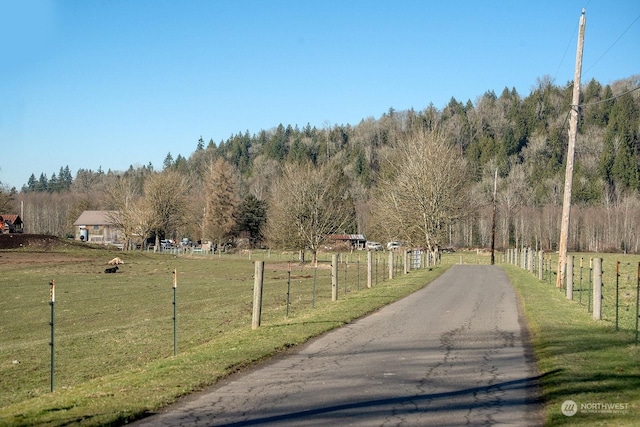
606 100
613 44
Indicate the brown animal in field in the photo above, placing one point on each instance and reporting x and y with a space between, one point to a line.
116 261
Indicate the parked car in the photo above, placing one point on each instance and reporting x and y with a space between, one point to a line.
393 245
374 246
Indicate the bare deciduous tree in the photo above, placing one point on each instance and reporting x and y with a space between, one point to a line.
263 173
307 204
6 199
122 198
141 216
425 191
166 198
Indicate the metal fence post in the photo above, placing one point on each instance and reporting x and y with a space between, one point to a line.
637 302
175 317
288 289
569 277
315 279
346 277
334 277
369 269
580 290
617 291
52 300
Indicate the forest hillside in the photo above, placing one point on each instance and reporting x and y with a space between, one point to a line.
523 138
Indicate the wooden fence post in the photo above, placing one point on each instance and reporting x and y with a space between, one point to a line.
257 294
391 264
406 262
531 263
541 265
597 288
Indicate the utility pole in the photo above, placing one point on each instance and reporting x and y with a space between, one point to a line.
568 179
493 222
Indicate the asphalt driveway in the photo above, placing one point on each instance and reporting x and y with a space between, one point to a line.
451 354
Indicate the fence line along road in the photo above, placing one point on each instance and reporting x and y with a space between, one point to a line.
450 354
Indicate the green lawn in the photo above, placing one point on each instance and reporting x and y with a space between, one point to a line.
114 339
620 280
114 332
582 360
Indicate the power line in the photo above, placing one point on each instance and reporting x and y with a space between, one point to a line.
564 54
606 100
613 44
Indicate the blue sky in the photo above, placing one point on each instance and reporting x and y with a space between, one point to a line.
113 83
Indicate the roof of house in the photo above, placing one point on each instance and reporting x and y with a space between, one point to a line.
12 218
347 237
95 218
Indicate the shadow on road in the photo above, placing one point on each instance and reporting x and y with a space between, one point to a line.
370 407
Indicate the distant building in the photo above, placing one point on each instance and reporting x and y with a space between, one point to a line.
11 223
97 227
356 241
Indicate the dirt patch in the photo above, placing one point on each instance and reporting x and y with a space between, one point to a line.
33 241
19 249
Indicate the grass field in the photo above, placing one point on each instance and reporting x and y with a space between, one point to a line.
581 360
620 283
114 336
114 332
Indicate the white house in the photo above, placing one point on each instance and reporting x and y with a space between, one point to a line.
97 227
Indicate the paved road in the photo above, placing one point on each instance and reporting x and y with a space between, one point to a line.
451 354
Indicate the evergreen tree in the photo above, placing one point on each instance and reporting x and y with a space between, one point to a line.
41 185
53 185
252 216
238 151
276 147
168 162
67 178
622 133
362 166
32 183
181 165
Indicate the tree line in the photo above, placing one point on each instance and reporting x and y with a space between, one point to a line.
425 177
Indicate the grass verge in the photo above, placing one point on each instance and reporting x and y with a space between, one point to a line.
582 360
